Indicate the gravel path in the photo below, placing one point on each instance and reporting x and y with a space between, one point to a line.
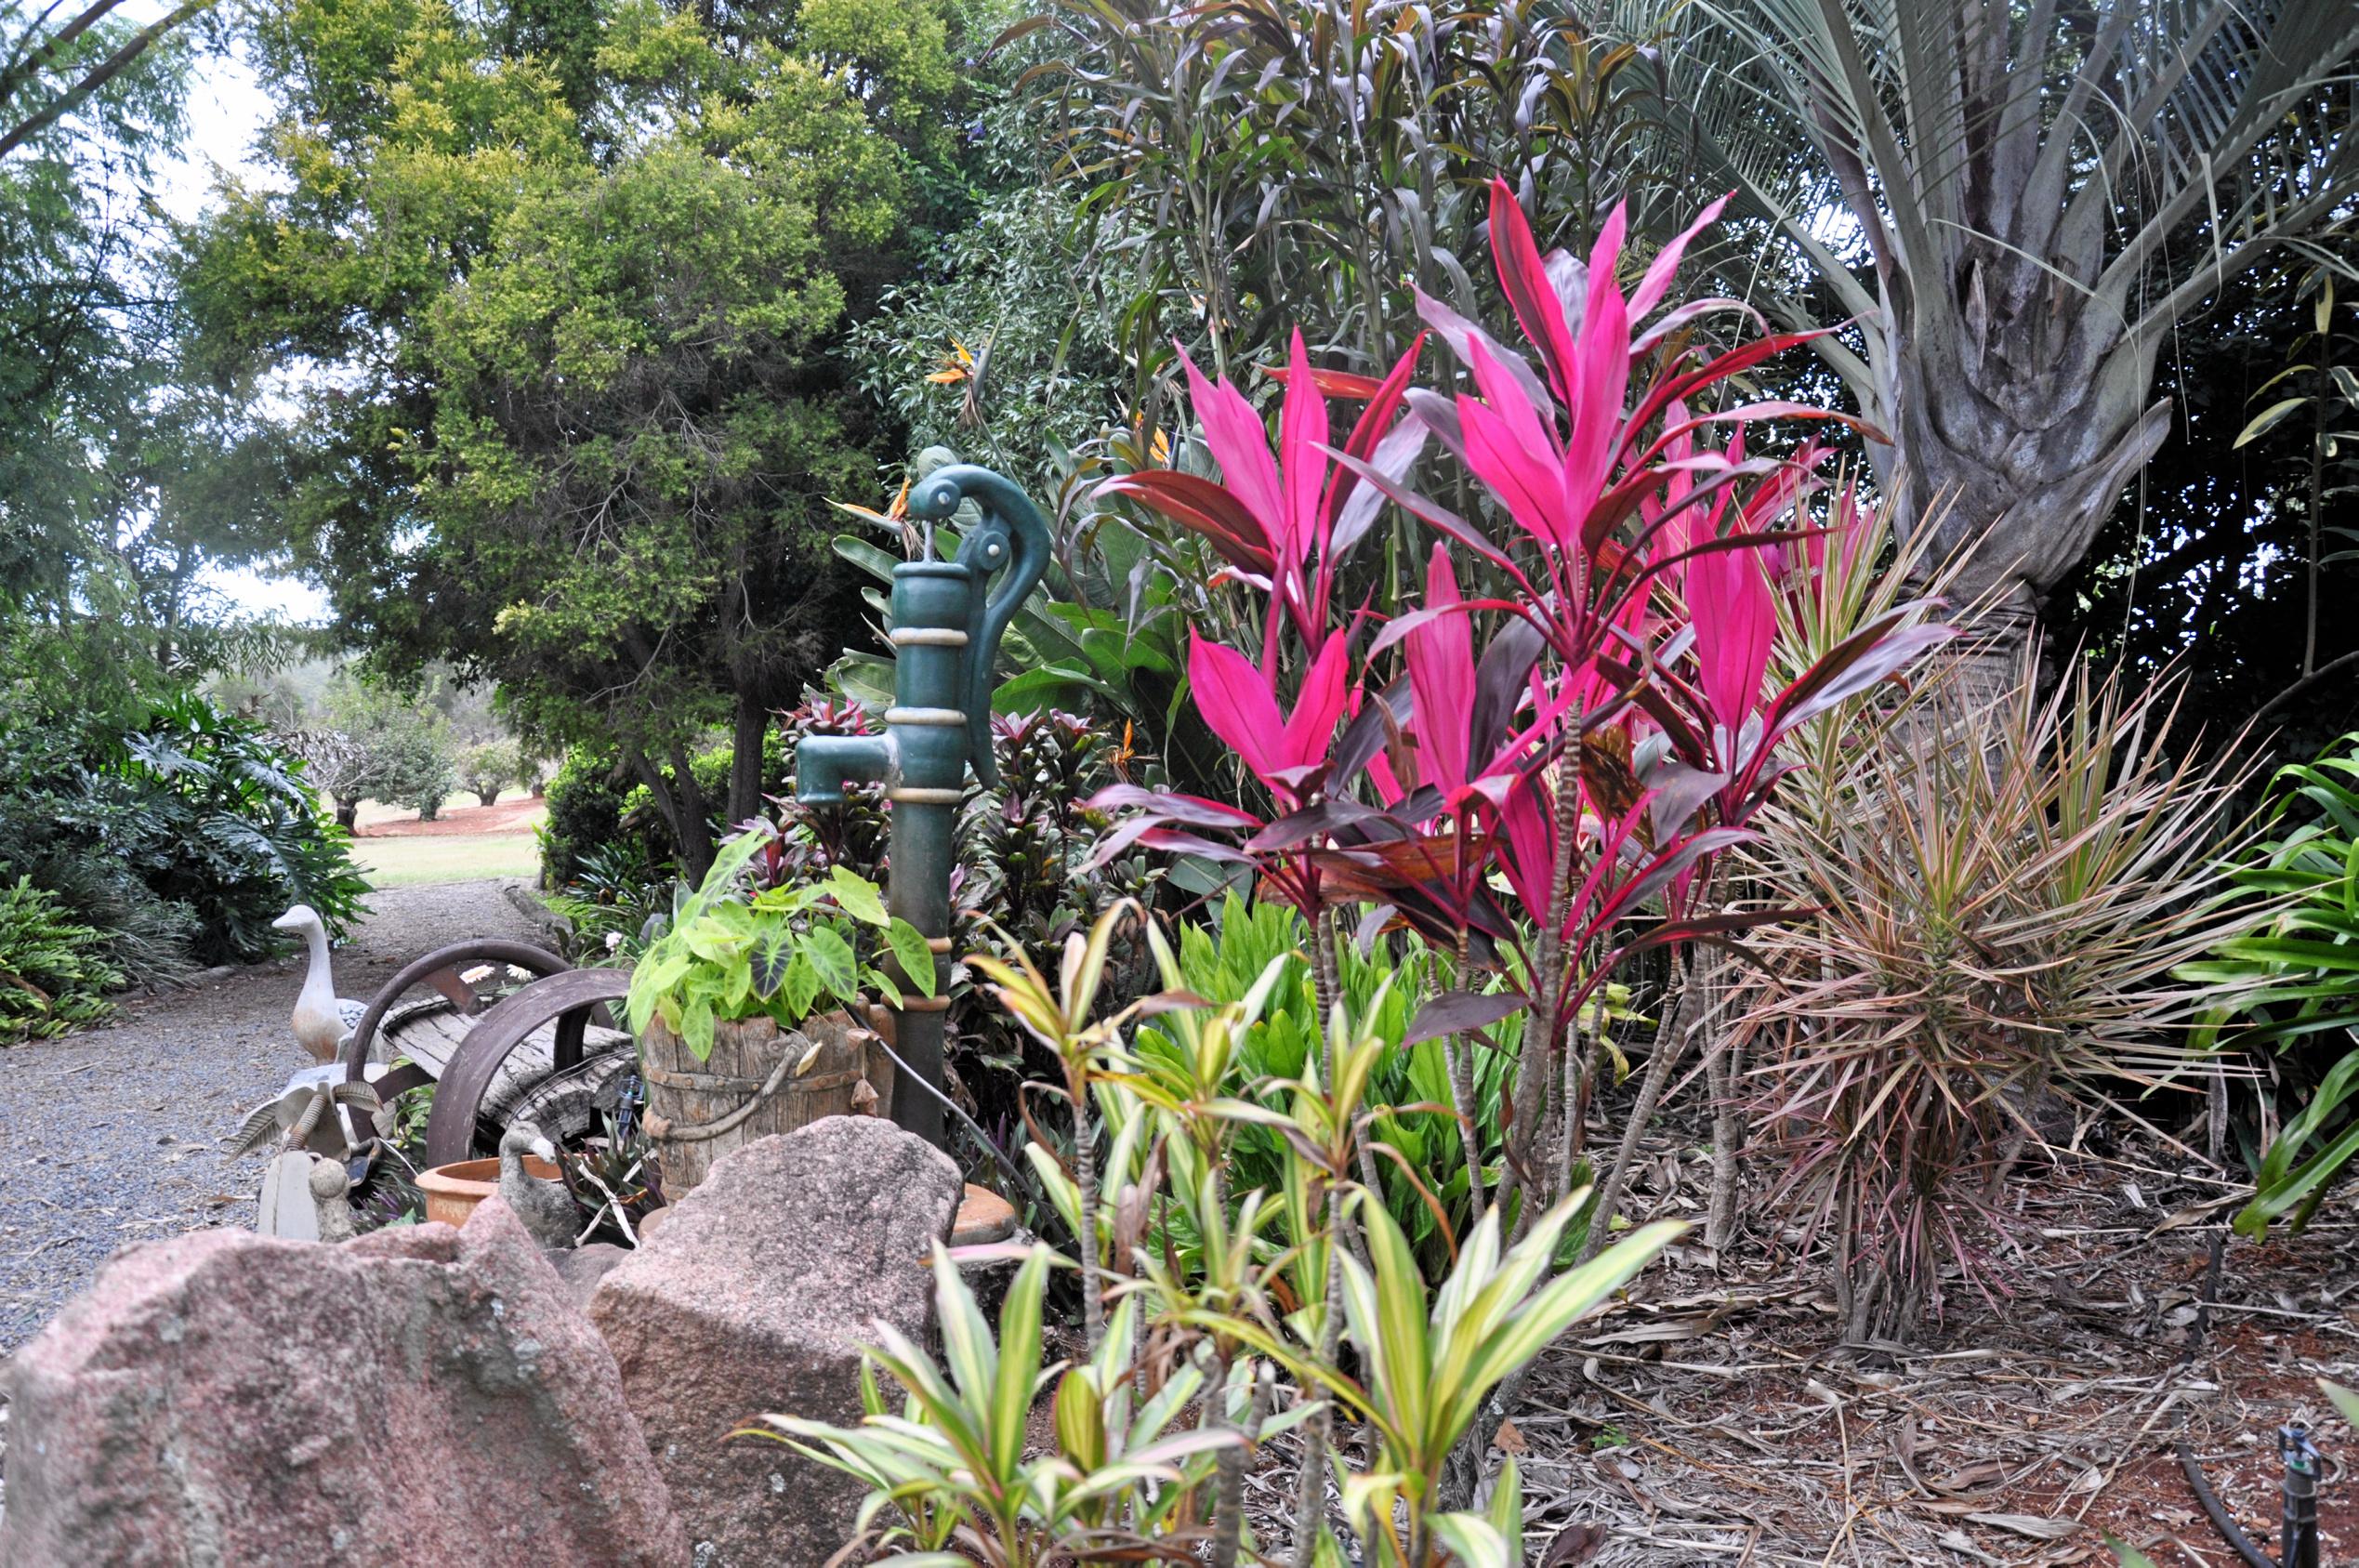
114 1136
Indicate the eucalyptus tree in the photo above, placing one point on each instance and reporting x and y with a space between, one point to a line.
2016 200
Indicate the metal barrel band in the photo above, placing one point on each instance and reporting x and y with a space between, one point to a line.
663 1130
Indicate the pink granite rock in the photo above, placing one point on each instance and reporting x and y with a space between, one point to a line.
420 1395
756 1295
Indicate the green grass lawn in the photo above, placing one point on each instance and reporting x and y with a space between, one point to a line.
396 863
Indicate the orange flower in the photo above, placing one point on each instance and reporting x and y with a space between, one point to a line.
956 366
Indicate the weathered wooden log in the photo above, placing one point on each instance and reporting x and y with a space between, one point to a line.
429 1032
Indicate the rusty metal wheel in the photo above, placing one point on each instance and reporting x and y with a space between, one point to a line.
567 1000
467 976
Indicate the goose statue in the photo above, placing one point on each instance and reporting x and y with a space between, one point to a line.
323 1019
545 1206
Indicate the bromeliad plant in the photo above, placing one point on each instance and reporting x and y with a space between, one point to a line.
735 951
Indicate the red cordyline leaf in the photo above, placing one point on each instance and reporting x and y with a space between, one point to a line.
1286 518
1331 383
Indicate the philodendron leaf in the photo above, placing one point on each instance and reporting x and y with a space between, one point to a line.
858 896
915 958
831 959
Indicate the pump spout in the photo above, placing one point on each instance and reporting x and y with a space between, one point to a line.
824 764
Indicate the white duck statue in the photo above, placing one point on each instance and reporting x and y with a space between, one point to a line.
323 1019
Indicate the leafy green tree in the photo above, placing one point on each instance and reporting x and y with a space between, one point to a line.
577 285
488 766
78 322
404 756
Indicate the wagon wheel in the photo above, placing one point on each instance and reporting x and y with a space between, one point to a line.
567 999
467 977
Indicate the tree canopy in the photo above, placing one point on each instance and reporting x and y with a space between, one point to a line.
573 287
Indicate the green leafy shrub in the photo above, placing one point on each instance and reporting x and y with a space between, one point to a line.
179 829
2299 982
218 817
586 815
53 973
736 951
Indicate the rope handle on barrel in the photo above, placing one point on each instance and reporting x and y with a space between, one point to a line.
663 1129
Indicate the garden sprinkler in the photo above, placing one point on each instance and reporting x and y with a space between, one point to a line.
947 621
2299 1544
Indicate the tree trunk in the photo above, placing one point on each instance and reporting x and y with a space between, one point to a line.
693 828
348 811
745 781
692 837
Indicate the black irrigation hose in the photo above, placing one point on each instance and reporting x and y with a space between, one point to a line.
2230 1531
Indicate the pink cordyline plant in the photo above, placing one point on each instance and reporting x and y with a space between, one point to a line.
1551 804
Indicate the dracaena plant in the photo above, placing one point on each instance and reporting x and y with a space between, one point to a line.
1995 895
1240 1335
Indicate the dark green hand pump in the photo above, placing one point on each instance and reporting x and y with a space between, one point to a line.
947 621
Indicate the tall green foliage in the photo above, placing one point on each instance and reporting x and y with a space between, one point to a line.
2296 981
578 282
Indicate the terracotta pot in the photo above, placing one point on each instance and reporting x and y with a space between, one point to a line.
453 1191
983 1216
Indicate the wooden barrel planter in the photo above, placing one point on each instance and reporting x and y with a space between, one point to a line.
758 1081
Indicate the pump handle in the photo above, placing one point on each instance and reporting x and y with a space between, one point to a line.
1010 543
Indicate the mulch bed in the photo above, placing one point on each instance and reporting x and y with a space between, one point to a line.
1717 1418
457 821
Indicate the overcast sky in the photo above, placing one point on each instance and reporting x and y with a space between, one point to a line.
226 109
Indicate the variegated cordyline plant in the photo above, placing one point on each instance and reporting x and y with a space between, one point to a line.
1217 1296
2006 902
1548 798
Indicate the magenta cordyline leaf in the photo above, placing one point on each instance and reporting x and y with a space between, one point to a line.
1241 448
1285 522
1303 439
1239 702
1441 657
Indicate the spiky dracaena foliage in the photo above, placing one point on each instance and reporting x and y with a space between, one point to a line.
2001 893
